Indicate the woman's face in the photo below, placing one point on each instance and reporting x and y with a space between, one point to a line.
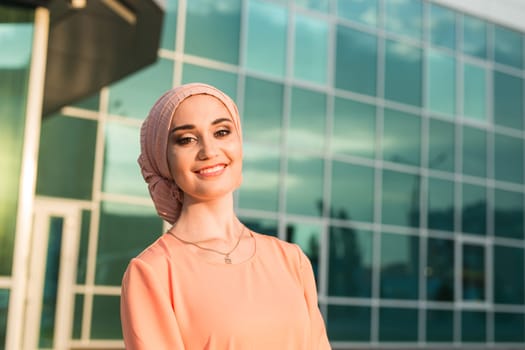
204 149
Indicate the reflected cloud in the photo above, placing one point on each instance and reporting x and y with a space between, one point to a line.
16 44
209 7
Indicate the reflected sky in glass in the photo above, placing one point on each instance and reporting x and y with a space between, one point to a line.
16 41
307 120
442 83
362 11
400 199
304 185
508 158
311 49
442 26
508 47
474 92
474 41
404 17
441 145
401 142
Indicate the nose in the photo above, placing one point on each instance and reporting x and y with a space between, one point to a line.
208 149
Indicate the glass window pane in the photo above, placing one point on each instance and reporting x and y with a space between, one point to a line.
400 199
265 226
508 100
404 17
473 326
169 25
354 128
401 141
66 157
397 324
474 209
307 120
317 5
356 61
352 196
508 47
311 49
83 247
508 282
440 269
441 145
474 152
508 327
213 29
362 11
473 272
125 230
134 95
263 108
403 73
442 26
348 323
266 47
442 83
225 81
440 205
4 307
260 184
308 237
78 312
91 102
508 158
399 266
474 92
304 186
105 322
440 326
121 171
508 214
350 262
474 37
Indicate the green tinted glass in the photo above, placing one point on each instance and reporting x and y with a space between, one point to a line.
508 158
474 152
440 214
441 145
400 199
441 83
92 102
308 237
213 30
66 157
83 247
403 72
473 272
4 307
266 46
508 261
307 120
442 27
508 100
362 11
78 312
474 92
311 49
225 81
508 327
304 186
398 324
356 61
169 25
354 128
474 209
440 269
349 323
440 326
401 141
508 47
105 321
473 326
474 37
404 17
316 5
508 214
264 226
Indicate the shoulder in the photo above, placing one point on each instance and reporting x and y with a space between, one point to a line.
290 253
156 257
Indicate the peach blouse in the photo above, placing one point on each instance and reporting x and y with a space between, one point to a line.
173 300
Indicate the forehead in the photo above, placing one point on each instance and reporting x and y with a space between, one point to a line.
198 107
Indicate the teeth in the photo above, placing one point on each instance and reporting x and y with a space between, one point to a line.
211 170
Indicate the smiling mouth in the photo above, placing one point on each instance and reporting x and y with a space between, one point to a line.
212 170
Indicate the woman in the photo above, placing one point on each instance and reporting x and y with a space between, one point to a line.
209 282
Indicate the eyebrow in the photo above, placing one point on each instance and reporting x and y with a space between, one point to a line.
191 126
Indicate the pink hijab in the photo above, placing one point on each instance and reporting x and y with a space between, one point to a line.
153 161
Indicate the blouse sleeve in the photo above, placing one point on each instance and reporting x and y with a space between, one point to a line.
148 320
319 336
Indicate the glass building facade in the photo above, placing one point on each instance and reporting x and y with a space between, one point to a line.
384 137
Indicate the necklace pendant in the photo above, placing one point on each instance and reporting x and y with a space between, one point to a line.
227 260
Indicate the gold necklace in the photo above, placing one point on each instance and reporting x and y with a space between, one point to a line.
227 258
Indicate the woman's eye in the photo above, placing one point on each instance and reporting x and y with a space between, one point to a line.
184 140
222 132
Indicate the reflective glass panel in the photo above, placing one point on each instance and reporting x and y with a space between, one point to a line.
304 186
474 41
442 26
105 321
508 47
66 157
213 29
125 230
474 152
308 237
352 196
266 46
4 307
473 272
440 325
473 326
348 323
403 71
169 25
508 214
400 199
441 145
263 108
265 226
440 269
354 128
474 92
508 281
134 95
441 83
508 327
77 316
92 102
350 262
121 171
404 17
362 11
474 209
83 246
225 81
399 266
311 49
355 61
398 324
260 184
317 5
508 158
307 120
440 204
401 141
508 100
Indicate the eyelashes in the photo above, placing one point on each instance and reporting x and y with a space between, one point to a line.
184 139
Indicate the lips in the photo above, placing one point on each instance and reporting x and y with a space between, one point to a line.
212 170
